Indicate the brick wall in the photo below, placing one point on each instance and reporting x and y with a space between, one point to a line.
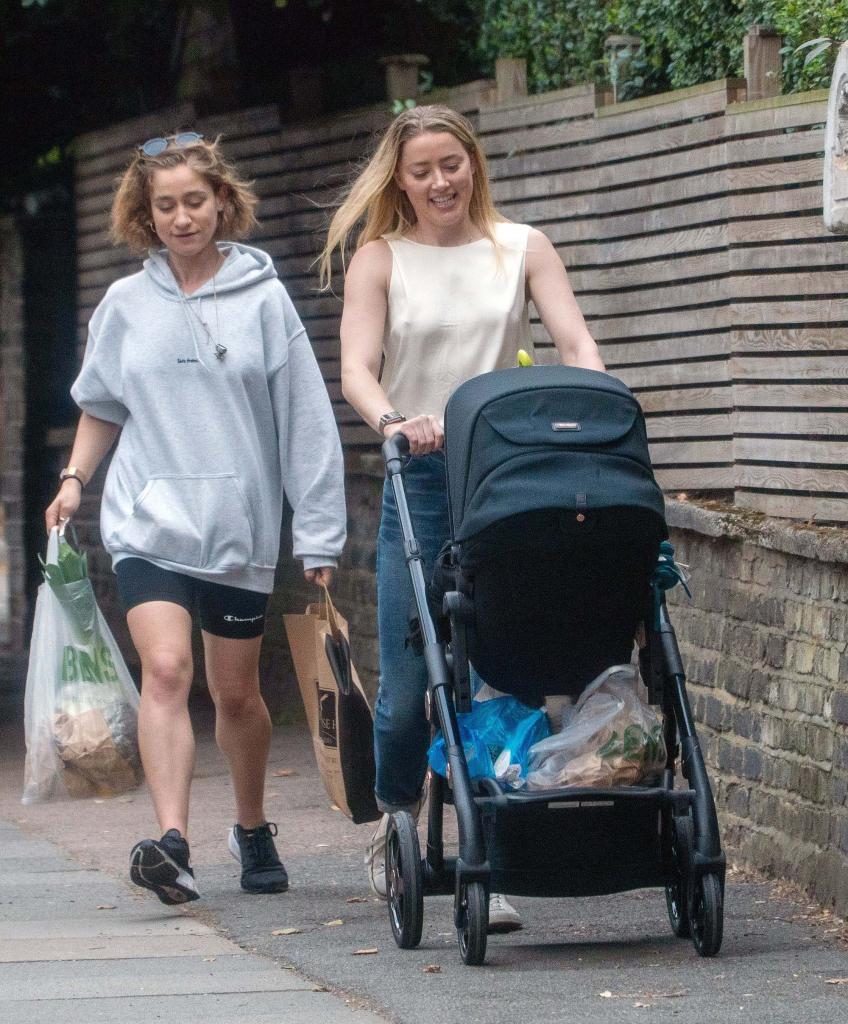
764 644
11 454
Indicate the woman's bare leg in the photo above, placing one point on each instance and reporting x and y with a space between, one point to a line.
242 722
161 632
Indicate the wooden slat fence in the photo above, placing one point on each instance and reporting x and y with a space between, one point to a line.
691 227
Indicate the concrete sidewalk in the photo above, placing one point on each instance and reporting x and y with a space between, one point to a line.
77 945
600 960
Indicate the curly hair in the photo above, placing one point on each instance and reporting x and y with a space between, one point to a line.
131 212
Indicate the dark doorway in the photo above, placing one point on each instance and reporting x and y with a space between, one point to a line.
50 339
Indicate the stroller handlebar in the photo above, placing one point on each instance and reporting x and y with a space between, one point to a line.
394 452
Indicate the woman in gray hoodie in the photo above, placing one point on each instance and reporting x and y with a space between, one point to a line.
200 367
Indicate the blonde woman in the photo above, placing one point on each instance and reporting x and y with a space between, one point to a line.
437 288
200 368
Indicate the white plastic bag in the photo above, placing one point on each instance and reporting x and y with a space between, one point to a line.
81 705
611 737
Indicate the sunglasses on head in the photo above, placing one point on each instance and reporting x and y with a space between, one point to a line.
153 147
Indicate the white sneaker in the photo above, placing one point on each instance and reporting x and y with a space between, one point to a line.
503 917
375 851
375 859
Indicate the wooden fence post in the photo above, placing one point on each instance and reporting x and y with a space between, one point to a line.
763 68
511 78
402 72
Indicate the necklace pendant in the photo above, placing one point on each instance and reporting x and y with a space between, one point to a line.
220 351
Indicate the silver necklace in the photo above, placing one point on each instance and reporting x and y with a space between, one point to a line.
216 346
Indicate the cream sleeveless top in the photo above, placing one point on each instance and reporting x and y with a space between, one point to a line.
453 313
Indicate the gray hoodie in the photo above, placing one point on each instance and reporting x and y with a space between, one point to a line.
207 445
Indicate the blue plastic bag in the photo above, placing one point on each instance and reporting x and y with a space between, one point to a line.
496 736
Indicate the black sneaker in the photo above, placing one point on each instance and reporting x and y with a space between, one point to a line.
163 866
261 868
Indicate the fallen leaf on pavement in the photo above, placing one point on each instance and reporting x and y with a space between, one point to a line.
334 923
676 994
106 906
286 931
357 899
365 952
837 981
432 969
283 773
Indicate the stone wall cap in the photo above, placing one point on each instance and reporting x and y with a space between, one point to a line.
413 59
718 519
763 30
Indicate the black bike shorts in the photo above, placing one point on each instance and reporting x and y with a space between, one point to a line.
230 612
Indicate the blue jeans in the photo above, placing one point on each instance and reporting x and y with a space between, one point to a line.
401 730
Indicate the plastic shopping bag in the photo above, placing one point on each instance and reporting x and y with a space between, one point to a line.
612 737
496 736
81 705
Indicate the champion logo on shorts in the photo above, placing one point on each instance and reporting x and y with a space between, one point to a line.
235 618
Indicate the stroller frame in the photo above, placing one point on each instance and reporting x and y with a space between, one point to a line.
680 825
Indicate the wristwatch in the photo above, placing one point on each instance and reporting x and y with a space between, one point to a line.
393 416
71 472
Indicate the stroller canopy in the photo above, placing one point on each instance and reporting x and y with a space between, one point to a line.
543 437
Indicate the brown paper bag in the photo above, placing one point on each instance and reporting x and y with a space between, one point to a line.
337 709
92 764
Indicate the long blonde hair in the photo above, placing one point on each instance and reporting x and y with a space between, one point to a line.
131 215
375 197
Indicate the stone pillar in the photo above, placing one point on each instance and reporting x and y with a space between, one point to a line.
511 78
209 68
402 72
619 51
12 424
306 92
835 179
763 68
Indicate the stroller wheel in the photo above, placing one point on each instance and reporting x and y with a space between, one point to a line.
473 918
404 880
676 894
706 914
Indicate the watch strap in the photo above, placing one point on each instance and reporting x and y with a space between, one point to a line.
393 416
72 473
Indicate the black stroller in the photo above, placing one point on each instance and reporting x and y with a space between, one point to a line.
556 524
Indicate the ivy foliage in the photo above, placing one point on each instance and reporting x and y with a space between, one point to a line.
684 42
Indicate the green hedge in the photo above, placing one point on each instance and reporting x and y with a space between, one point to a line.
684 42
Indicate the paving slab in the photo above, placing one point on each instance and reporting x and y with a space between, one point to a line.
153 975
111 948
160 978
77 946
102 926
232 1008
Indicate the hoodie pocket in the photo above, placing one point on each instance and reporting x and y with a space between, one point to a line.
197 521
